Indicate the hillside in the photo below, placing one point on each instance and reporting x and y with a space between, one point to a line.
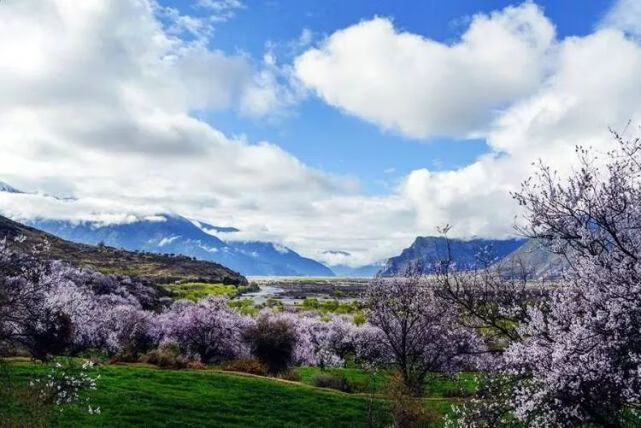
173 234
428 250
156 268
366 271
538 261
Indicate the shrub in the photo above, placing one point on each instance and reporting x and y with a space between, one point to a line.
65 384
254 367
196 365
272 341
333 381
167 357
407 410
48 335
291 375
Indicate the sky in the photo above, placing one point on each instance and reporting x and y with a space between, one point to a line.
340 129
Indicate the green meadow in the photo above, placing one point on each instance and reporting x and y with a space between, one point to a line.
140 395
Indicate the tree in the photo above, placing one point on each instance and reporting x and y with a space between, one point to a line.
577 358
417 333
272 339
583 349
209 329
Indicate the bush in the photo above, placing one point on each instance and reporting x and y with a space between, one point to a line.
48 335
196 365
458 391
291 375
407 410
254 367
328 380
167 357
272 341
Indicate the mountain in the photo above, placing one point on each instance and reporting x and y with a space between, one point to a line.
156 268
174 234
4 187
428 250
274 259
366 271
538 260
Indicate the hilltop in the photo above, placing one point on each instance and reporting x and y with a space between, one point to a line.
157 268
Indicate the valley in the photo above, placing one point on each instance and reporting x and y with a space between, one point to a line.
292 291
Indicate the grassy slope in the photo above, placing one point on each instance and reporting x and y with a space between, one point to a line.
141 396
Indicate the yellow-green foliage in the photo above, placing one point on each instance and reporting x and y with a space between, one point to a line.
244 306
198 290
331 306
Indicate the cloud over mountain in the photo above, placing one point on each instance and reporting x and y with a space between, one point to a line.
101 101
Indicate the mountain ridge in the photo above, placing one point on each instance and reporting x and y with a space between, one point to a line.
174 234
156 268
426 251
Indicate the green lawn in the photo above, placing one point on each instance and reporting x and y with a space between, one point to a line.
138 395
142 396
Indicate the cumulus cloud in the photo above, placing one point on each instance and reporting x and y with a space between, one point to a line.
625 15
594 84
421 87
96 102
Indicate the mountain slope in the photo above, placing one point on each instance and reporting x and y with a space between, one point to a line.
538 261
273 259
152 267
178 235
428 250
4 187
366 271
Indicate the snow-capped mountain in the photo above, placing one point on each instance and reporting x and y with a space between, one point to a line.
179 235
4 187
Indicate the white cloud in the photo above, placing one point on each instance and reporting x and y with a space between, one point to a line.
595 84
625 15
420 87
96 102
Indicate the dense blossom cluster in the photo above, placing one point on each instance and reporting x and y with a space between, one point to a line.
208 330
583 346
575 356
417 332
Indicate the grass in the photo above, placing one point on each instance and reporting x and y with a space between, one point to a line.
437 385
198 290
331 306
139 395
144 396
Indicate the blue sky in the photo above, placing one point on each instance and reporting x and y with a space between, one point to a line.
326 138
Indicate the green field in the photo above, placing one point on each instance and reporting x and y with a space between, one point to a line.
436 385
137 395
198 290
